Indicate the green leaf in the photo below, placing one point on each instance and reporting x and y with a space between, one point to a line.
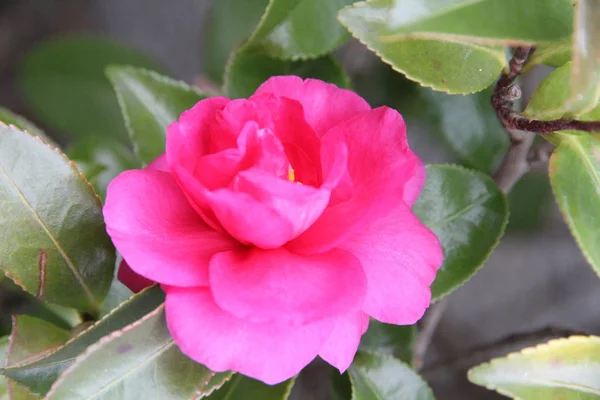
585 78
443 64
55 244
470 125
241 387
226 30
530 203
3 387
139 361
10 118
150 103
382 377
560 369
395 340
549 100
340 388
554 55
300 29
575 179
39 375
101 160
64 83
501 22
248 70
30 339
468 213
117 294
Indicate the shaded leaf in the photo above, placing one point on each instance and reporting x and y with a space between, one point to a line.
138 361
530 203
248 70
30 339
554 55
575 179
300 29
396 340
3 387
64 83
55 244
226 30
443 64
101 160
150 103
240 387
117 294
468 213
563 368
40 375
585 78
379 376
340 389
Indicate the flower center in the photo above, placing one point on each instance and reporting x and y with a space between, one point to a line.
291 175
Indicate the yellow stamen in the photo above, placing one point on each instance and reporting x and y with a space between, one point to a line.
291 175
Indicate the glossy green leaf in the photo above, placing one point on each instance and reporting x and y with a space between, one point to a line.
64 83
482 21
101 160
226 30
468 213
240 387
117 294
549 100
140 361
380 376
54 244
470 126
443 64
10 118
554 55
150 103
566 369
30 339
575 179
585 78
300 29
248 70
40 375
396 340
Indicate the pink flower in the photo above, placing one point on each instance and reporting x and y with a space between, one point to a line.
277 225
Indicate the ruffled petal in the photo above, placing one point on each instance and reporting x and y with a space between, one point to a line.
325 105
279 286
157 232
400 257
342 344
271 353
382 171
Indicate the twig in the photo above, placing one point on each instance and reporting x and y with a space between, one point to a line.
428 327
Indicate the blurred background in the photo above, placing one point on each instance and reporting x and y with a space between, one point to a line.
535 286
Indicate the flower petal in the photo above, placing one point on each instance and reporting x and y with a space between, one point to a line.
157 232
134 281
400 257
342 344
325 105
279 286
382 171
271 353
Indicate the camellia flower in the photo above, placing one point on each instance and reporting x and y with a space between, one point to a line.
276 226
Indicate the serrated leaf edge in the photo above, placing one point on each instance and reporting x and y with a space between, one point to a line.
94 347
430 85
524 352
500 235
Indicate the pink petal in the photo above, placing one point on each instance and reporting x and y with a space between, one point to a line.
325 105
382 170
190 137
279 286
157 232
342 344
159 163
400 257
271 353
128 277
